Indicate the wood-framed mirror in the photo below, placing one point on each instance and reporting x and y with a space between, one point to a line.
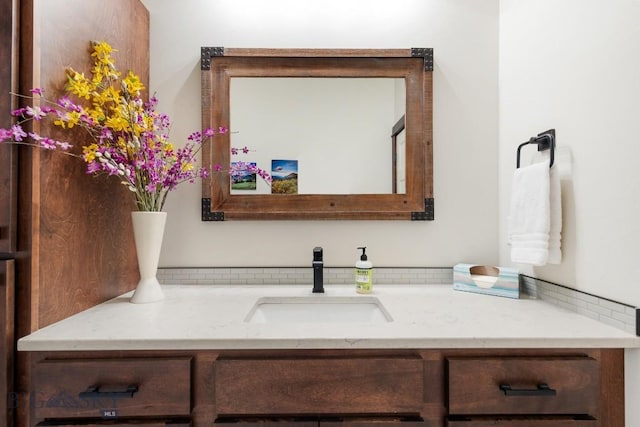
234 95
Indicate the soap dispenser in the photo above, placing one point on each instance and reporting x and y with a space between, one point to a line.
364 273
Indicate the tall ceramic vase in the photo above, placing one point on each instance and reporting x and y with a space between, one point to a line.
148 230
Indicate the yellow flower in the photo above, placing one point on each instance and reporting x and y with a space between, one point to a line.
186 166
89 152
122 144
132 83
72 118
97 114
117 123
79 85
61 123
102 49
104 66
109 94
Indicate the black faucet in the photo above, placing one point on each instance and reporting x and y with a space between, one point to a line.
318 286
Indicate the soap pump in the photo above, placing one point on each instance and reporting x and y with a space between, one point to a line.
364 273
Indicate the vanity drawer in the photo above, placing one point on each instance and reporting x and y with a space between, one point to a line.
503 385
549 422
319 385
171 423
110 388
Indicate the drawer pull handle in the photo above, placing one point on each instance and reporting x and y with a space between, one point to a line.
542 390
95 392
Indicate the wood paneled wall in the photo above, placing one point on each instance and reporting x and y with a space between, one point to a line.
8 154
75 228
7 342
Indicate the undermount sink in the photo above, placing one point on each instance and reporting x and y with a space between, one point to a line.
318 309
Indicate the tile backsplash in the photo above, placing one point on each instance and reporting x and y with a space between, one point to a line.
298 275
613 313
618 315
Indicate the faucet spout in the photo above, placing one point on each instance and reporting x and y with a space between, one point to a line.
318 265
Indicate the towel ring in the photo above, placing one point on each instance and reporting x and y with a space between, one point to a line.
545 141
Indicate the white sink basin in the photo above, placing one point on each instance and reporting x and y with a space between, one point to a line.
318 309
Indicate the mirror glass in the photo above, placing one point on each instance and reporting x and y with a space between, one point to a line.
346 133
337 130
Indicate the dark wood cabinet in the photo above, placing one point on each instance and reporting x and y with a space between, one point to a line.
113 388
8 153
523 385
7 340
337 388
332 385
540 422
168 423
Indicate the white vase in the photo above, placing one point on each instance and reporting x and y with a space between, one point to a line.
148 230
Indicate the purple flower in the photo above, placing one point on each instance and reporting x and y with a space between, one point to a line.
17 133
63 145
66 103
37 91
35 112
47 143
19 112
5 134
93 167
195 136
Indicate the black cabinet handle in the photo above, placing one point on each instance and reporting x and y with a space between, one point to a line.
542 390
95 392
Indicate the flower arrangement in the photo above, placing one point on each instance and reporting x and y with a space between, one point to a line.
128 138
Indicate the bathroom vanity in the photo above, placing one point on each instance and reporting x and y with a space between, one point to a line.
437 357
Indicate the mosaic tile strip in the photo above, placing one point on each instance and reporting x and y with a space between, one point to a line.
298 275
613 313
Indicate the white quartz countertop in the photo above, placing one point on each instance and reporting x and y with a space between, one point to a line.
424 316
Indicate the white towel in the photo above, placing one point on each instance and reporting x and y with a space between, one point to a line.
532 214
555 227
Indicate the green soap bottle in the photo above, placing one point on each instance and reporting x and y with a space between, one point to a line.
364 273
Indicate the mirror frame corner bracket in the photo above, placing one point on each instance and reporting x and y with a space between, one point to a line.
427 214
208 214
426 53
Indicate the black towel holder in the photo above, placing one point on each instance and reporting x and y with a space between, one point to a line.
545 140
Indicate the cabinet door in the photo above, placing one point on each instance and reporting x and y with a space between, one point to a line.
517 385
523 423
7 339
114 388
123 424
268 423
373 422
315 386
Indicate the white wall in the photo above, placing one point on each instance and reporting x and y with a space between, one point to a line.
573 66
464 34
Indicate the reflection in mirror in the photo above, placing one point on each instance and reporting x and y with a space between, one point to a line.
337 129
398 158
325 102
